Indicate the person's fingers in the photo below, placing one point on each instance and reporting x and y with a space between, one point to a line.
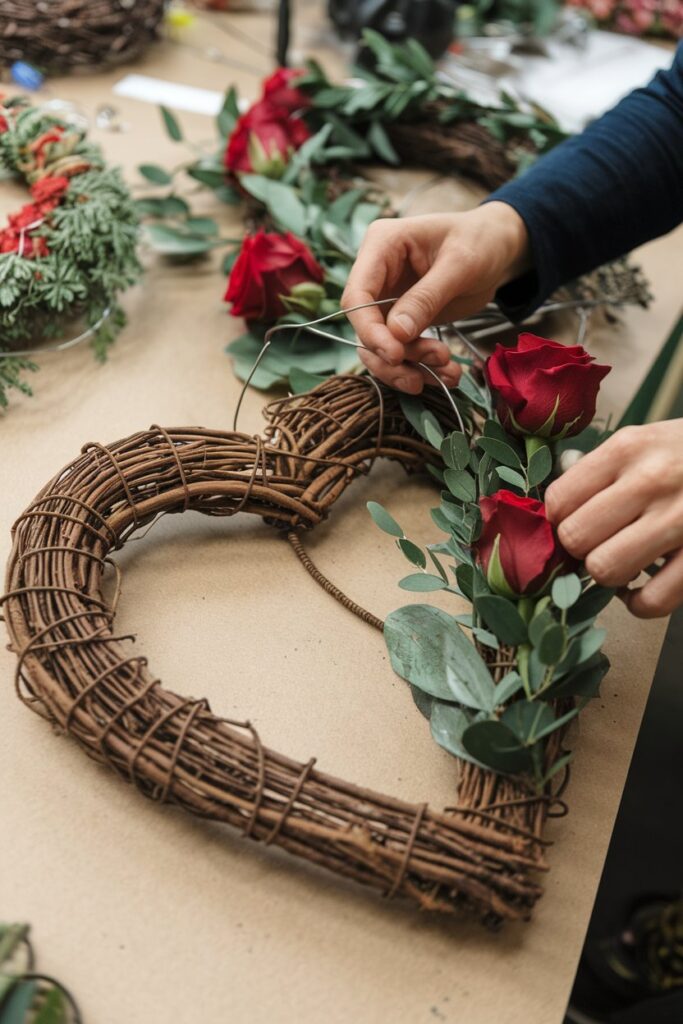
615 562
411 378
662 594
420 305
589 475
427 350
600 518
404 377
366 283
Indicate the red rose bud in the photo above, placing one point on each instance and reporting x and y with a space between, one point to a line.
544 389
518 549
268 269
30 215
264 139
49 187
25 245
279 90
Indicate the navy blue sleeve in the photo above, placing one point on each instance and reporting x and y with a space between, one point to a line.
601 193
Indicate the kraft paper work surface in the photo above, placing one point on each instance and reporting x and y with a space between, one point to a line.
150 916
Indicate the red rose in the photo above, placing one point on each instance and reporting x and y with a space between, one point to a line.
268 267
49 187
4 126
280 92
518 549
263 140
543 388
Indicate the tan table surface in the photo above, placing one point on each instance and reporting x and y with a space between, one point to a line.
150 916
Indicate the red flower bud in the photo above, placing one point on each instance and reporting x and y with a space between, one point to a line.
279 90
268 267
49 187
264 139
518 548
543 388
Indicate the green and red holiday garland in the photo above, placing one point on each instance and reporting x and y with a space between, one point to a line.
68 252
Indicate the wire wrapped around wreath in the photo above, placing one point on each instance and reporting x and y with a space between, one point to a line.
65 35
74 669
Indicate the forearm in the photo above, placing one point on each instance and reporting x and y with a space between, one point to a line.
601 193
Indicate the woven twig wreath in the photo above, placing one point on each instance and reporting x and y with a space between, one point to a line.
90 682
62 35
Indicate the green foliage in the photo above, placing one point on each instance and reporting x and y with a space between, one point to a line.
546 645
25 995
91 237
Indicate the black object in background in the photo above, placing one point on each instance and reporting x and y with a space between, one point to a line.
431 22
644 863
282 45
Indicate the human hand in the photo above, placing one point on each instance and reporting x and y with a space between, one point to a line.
621 507
442 267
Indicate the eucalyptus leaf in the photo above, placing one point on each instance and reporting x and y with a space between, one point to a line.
552 644
495 745
424 703
381 144
447 724
511 476
540 464
156 174
581 648
479 395
382 519
171 125
228 114
566 590
281 201
500 451
559 723
527 719
584 682
422 583
461 484
433 432
455 450
502 618
486 637
16 1007
541 621
464 575
201 225
413 409
429 649
412 552
172 242
507 688
301 381
590 604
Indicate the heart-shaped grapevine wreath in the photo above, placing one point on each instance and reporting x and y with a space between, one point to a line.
74 669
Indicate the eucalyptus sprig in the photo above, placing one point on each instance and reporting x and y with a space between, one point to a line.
500 682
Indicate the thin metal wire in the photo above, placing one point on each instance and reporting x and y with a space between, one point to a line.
310 326
63 345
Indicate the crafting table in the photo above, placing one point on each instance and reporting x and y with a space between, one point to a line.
150 916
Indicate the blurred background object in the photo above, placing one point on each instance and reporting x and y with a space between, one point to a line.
430 22
66 35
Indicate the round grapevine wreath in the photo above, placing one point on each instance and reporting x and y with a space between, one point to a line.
70 250
91 683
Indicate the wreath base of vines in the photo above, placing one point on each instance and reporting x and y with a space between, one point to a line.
482 855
